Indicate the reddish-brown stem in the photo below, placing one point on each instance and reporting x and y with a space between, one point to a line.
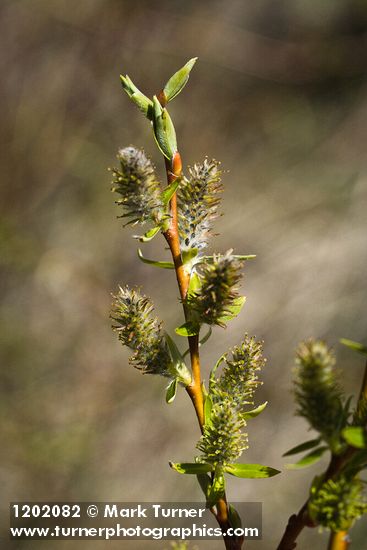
173 170
183 278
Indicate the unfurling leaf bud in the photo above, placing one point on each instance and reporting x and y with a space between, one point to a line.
164 131
178 81
138 329
135 180
141 101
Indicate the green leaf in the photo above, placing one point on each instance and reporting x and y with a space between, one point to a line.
355 436
191 467
179 368
308 460
251 471
169 191
303 447
148 236
188 329
217 488
205 483
208 405
355 346
233 310
163 265
164 131
255 412
213 371
194 284
188 255
171 391
177 82
206 337
141 101
234 517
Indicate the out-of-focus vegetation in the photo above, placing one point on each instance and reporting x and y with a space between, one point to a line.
279 96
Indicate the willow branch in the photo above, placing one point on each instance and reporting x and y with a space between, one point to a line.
338 540
298 522
173 171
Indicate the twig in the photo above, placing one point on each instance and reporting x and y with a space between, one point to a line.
339 540
297 522
173 171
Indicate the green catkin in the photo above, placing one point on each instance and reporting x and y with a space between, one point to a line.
336 504
218 290
198 200
317 392
239 378
136 182
138 329
223 440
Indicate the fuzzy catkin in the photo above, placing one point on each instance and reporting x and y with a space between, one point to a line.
135 181
317 392
223 440
336 504
218 292
239 378
138 329
198 200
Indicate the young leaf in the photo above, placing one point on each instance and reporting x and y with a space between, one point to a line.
303 447
217 488
250 471
169 191
214 369
208 405
234 517
194 284
191 467
255 412
355 436
355 346
177 82
233 310
189 255
148 236
163 265
141 101
171 391
188 329
164 131
179 368
205 483
308 460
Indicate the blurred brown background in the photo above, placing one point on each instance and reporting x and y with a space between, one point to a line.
279 95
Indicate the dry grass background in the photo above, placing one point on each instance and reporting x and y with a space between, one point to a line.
279 95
